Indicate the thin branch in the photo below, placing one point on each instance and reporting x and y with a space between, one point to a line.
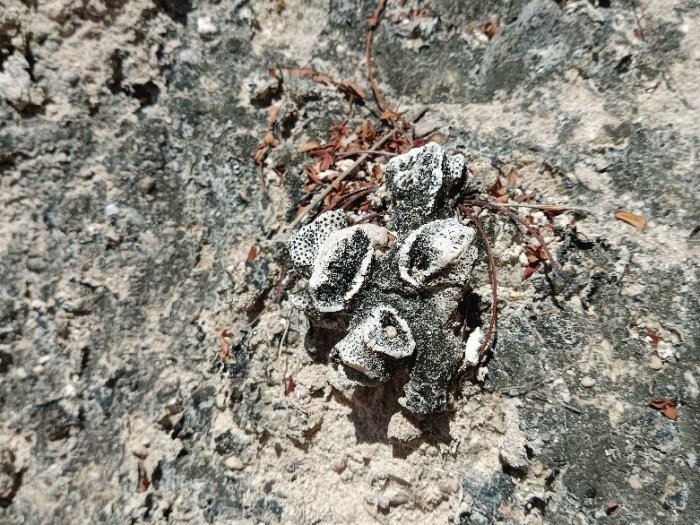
494 280
354 196
543 207
351 153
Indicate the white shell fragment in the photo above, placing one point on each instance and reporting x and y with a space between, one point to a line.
305 244
471 349
434 247
342 263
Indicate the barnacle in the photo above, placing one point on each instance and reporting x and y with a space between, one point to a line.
341 265
434 247
377 340
394 303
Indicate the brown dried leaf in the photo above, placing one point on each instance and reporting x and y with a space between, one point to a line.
653 338
490 29
289 387
143 482
260 154
269 139
224 350
352 89
512 178
637 221
274 111
367 131
326 162
308 146
667 407
311 172
389 115
529 270
252 253
324 79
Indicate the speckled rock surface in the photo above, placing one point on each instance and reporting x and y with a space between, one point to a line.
142 377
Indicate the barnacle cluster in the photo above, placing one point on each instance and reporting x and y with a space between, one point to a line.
394 291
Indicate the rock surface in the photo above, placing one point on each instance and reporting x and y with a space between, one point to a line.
140 345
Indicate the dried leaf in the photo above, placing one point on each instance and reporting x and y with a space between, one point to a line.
377 172
252 253
529 270
652 338
367 131
143 482
389 115
637 221
667 407
512 178
308 146
490 29
323 150
326 162
324 79
311 172
289 387
269 139
260 154
224 349
274 111
352 89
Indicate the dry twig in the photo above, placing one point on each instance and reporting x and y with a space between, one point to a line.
494 280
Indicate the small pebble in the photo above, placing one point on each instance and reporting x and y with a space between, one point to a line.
537 468
656 363
339 465
205 26
587 382
234 463
147 185
390 332
140 451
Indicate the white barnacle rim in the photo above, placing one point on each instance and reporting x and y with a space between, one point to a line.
342 262
383 333
388 333
434 247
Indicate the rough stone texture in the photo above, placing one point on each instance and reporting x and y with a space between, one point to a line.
130 202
